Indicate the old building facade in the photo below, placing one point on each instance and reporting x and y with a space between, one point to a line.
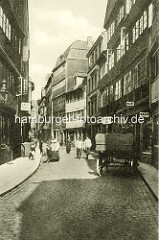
76 108
126 85
72 61
14 74
93 94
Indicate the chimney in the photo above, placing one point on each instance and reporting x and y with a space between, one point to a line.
89 41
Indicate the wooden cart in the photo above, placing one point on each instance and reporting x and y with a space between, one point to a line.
115 149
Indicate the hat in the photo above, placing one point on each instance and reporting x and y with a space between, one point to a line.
54 141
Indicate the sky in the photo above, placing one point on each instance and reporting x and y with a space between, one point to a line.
54 25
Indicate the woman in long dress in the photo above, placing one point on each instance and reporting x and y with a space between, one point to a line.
54 147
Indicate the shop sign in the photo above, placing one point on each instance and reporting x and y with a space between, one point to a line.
106 120
129 104
25 106
144 114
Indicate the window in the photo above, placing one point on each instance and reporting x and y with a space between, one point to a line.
1 17
134 35
137 29
120 15
102 70
145 19
120 51
25 90
89 85
111 93
118 90
92 85
150 15
95 80
105 97
4 23
95 55
7 28
142 71
154 65
139 73
111 60
19 46
108 36
93 58
128 83
129 4
126 42
90 61
102 105
135 76
110 30
141 24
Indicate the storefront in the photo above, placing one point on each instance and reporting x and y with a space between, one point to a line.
9 136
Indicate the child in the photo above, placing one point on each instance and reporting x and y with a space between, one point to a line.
32 151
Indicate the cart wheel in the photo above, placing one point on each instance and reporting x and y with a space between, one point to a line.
99 168
133 167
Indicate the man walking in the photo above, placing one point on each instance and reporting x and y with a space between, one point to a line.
79 146
87 146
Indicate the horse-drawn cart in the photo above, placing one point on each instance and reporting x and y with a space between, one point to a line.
115 149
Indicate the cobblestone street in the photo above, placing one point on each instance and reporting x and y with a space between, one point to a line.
67 200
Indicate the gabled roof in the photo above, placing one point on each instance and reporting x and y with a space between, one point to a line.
78 44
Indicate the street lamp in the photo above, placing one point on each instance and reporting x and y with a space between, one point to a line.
3 92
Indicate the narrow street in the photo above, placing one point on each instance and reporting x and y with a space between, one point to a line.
67 200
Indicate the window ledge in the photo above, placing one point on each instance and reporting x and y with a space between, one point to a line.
146 153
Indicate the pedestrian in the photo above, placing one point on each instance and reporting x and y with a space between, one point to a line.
32 151
54 150
79 147
44 148
68 145
136 151
87 146
41 146
48 149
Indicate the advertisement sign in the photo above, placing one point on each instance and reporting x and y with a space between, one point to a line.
144 114
25 106
130 104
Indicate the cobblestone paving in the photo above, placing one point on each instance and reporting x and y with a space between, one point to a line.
66 201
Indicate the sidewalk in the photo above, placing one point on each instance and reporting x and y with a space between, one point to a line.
150 176
15 172
148 173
